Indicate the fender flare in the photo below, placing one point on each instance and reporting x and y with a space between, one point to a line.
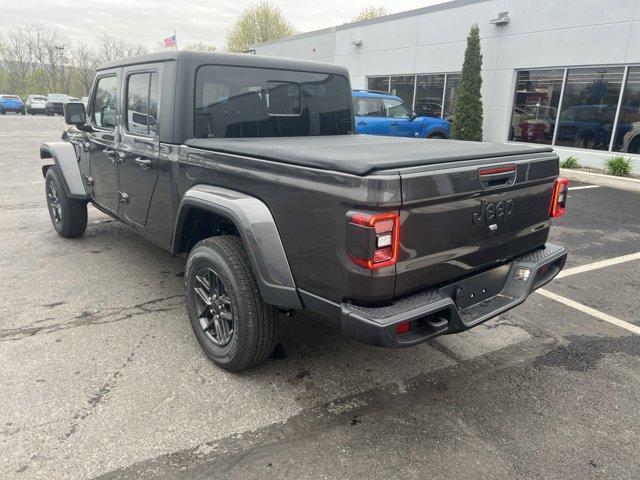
259 234
63 155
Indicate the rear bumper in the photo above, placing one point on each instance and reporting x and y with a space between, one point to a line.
12 108
455 307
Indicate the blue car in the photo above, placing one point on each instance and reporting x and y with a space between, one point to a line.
379 113
11 103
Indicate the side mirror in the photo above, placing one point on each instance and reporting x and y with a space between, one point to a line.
413 116
74 113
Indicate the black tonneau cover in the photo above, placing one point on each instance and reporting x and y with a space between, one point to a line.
361 154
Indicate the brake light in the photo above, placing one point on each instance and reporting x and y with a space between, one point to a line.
559 197
386 227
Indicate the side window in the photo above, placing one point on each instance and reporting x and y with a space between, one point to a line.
395 108
142 103
105 101
369 107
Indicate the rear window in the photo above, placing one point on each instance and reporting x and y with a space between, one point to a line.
236 102
57 97
11 97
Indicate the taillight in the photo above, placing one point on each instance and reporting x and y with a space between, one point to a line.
559 198
379 240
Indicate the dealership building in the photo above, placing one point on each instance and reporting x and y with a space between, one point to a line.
558 72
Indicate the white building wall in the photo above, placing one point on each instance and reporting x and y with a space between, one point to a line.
541 33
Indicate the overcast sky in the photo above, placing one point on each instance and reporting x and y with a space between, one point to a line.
149 21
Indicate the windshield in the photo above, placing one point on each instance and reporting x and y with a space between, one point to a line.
11 97
39 97
235 102
57 97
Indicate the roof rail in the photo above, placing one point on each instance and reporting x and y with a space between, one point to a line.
371 91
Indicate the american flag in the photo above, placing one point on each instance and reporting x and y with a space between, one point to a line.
170 41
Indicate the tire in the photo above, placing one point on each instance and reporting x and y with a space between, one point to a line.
438 136
244 334
68 215
2 112
23 112
634 146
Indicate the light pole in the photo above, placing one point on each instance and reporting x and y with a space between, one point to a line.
60 48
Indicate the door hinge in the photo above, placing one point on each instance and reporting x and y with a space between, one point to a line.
123 197
89 181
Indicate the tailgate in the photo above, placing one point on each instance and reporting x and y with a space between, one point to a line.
460 217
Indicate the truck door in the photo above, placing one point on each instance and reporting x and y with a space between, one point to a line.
102 141
138 148
370 117
398 119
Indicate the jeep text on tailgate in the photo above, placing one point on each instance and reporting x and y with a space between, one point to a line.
249 166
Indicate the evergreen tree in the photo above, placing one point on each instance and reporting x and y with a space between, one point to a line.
467 121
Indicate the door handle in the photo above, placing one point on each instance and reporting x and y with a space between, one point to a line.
395 123
144 163
113 155
362 122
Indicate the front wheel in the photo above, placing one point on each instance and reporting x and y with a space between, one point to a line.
23 112
68 215
234 326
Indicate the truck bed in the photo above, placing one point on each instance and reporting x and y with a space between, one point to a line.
361 154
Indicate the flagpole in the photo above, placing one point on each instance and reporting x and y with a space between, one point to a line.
176 38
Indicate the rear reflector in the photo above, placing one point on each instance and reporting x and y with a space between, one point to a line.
387 230
559 197
403 327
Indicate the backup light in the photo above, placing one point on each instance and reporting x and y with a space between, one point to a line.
522 274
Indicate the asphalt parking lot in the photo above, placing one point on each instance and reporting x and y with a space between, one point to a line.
102 377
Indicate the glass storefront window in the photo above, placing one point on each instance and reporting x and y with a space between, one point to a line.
628 131
402 86
535 105
380 84
450 94
589 107
429 95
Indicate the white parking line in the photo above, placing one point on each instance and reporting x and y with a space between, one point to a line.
600 264
590 311
583 187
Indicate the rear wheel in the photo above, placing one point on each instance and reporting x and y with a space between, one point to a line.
437 135
634 146
234 326
68 215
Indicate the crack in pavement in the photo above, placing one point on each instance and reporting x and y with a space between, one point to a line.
99 317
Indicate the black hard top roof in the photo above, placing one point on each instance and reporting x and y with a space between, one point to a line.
236 59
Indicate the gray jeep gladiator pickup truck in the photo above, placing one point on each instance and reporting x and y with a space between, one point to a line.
249 166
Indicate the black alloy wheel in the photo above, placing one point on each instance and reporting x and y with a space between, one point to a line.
215 312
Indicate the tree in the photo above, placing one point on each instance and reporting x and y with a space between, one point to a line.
83 62
467 119
200 47
369 13
111 48
259 23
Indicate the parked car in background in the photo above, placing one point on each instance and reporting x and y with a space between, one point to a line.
11 103
631 141
379 113
36 104
55 103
